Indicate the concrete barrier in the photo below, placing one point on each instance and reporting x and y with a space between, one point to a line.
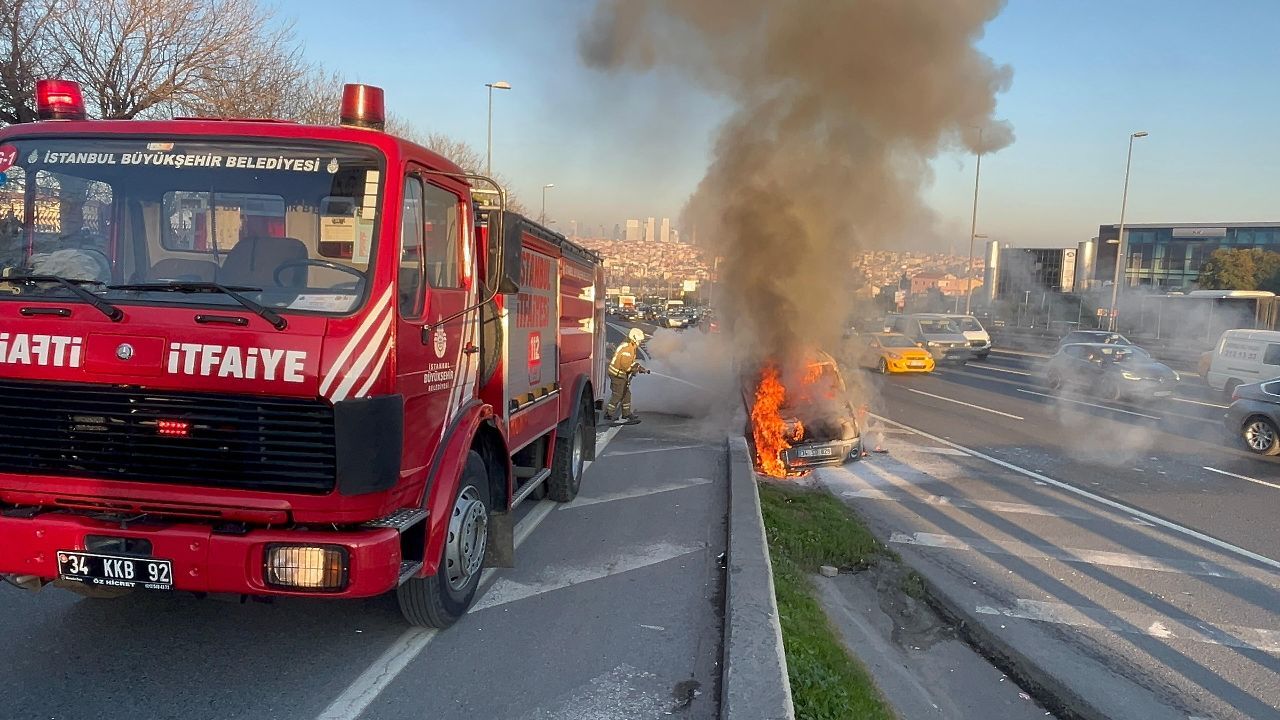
754 684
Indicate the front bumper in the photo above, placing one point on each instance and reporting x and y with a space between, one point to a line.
1146 388
814 454
923 365
951 354
203 561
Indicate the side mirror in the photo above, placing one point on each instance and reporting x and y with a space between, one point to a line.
512 249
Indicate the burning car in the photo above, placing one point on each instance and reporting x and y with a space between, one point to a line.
799 418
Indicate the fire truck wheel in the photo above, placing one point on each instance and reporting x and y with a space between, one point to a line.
438 601
568 462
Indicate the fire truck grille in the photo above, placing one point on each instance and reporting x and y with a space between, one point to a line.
115 433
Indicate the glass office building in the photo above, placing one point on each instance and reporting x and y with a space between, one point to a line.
1168 257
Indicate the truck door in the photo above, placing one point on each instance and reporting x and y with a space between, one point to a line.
430 290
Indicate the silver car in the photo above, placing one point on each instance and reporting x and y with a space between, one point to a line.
1254 416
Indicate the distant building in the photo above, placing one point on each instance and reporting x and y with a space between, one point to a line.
1169 256
649 235
946 283
664 234
633 231
1013 271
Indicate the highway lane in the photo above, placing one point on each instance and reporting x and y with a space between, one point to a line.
1151 455
1103 539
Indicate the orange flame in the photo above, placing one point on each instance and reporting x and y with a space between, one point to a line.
769 431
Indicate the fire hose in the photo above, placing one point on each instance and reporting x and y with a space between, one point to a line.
679 380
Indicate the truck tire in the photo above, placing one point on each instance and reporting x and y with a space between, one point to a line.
438 601
570 457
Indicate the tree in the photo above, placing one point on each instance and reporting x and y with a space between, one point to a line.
1239 269
27 53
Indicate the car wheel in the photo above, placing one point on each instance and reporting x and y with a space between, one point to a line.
883 367
1261 436
1111 391
1055 381
438 601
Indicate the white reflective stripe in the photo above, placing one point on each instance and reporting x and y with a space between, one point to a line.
362 362
374 313
377 368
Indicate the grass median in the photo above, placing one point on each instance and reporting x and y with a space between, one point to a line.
806 529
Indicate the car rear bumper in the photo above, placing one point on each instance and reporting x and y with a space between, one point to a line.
203 560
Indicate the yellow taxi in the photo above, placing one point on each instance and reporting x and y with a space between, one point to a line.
894 353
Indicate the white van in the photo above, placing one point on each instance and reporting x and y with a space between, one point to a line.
979 339
1244 356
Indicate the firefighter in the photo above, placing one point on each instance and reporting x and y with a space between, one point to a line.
622 368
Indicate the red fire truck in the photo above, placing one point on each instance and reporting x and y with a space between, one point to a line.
261 358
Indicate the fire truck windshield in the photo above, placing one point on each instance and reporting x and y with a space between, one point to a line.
290 226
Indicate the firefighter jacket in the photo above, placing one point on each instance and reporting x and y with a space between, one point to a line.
624 360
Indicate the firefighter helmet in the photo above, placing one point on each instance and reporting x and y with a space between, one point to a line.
636 335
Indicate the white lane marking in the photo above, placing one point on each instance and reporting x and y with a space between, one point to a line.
620 453
1164 628
960 402
1018 353
1066 554
998 369
1081 402
381 672
582 501
558 578
387 667
659 628
624 692
1242 477
1199 402
935 450
996 506
1045 479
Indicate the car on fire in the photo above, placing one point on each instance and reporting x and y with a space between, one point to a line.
818 420
1114 372
892 353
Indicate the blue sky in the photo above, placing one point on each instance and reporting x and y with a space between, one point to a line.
1201 77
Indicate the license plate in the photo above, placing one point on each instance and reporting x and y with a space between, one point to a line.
115 570
815 452
1162 393
915 364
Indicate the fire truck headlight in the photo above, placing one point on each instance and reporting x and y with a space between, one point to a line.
306 567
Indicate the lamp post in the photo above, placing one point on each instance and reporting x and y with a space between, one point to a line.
1124 201
542 217
973 229
500 85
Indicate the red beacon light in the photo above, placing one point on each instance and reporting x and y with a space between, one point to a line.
362 106
59 100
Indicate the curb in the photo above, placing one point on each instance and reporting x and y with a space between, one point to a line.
755 684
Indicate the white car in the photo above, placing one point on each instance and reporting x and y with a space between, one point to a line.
1242 357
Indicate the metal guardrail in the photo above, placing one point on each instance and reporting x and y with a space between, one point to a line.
1044 341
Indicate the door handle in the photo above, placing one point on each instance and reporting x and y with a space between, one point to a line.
471 349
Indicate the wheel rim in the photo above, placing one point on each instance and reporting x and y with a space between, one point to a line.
1259 435
468 534
884 366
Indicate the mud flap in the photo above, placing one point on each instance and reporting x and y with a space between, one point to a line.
500 551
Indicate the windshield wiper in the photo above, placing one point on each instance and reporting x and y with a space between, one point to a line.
73 284
232 291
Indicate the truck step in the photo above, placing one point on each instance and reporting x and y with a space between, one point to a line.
532 484
399 520
408 569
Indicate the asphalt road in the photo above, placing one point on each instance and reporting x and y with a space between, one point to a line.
1130 548
613 611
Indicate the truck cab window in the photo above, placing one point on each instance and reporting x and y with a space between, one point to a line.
412 226
443 243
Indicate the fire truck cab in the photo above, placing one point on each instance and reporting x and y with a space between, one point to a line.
261 358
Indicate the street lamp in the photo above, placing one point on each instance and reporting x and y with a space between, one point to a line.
1124 200
500 85
968 279
542 218
973 228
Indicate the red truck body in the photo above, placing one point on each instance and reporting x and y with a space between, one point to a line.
317 448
